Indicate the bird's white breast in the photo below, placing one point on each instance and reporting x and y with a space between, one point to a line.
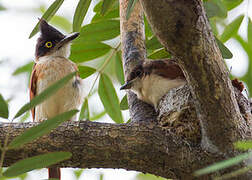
154 87
67 98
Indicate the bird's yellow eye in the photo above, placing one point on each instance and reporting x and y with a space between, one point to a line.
48 44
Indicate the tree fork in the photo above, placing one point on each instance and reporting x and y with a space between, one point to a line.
185 32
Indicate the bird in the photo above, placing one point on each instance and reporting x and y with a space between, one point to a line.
152 79
52 64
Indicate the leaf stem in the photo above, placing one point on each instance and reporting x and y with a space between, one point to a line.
101 69
108 59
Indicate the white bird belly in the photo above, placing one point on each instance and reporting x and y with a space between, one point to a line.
154 87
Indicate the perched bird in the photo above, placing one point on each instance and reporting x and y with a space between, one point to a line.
151 80
51 64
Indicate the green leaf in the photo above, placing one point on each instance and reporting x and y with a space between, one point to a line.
223 164
48 15
78 173
80 13
225 52
84 114
85 51
27 68
43 128
25 117
62 22
109 98
4 112
211 9
19 177
148 31
130 8
101 176
230 4
86 71
109 15
36 162
142 176
129 120
250 32
124 103
153 43
2 8
231 29
100 31
98 7
215 8
243 145
45 94
119 68
159 54
98 116
113 12
213 25
106 5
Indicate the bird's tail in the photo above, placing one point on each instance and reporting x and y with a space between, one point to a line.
54 173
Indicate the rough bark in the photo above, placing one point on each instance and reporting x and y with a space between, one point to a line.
133 53
171 149
142 147
182 27
167 144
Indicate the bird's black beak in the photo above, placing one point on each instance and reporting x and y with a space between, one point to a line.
127 85
67 39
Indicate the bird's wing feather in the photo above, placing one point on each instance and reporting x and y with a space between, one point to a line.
165 68
33 87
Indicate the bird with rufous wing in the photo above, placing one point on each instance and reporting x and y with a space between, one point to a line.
51 65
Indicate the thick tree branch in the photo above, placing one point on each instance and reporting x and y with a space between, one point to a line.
143 147
171 149
182 27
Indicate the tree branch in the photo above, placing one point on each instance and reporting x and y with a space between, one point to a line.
142 147
182 27
133 53
171 149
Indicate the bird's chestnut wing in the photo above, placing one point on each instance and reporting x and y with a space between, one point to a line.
33 87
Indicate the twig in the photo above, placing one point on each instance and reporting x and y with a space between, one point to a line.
103 67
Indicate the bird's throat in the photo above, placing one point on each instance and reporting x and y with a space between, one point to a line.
64 51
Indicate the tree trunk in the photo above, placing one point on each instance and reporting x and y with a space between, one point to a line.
182 27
